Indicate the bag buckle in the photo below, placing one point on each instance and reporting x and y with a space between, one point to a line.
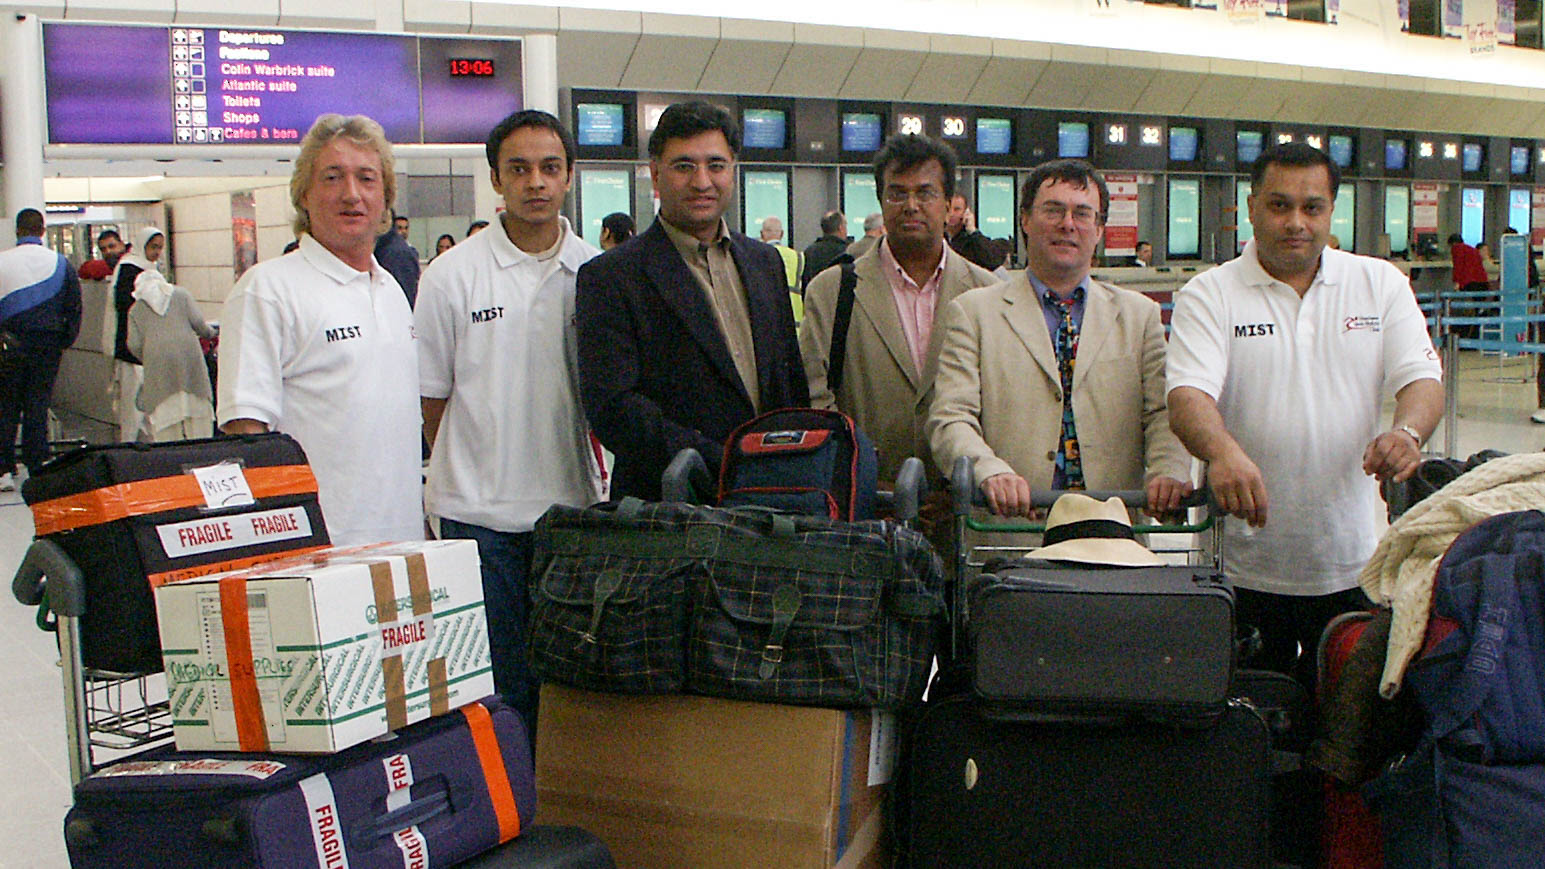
606 585
785 602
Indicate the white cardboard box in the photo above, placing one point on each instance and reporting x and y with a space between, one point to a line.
325 670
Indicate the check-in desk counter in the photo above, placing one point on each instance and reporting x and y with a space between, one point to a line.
1159 283
83 391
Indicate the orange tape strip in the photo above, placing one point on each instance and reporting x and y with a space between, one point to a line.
111 503
159 579
481 724
251 730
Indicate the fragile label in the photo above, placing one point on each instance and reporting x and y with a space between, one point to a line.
182 539
399 637
326 826
223 485
258 769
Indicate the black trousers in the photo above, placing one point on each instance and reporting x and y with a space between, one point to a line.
25 389
1291 626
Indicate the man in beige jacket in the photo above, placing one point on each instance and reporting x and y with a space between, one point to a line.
1052 380
903 280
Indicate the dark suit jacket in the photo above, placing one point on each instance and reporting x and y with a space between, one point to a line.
977 248
820 255
655 373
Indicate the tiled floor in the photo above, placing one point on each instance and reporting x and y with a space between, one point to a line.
35 793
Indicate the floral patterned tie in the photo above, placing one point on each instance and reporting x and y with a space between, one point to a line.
1069 470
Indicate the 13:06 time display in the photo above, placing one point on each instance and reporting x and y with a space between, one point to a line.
476 67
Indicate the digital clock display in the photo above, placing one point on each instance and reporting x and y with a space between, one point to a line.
478 67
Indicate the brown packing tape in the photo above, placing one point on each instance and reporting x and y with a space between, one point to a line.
418 584
423 604
391 667
439 688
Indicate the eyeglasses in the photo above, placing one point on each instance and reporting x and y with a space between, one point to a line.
922 195
689 168
1056 212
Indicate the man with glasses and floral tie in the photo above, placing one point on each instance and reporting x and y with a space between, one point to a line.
902 282
1053 380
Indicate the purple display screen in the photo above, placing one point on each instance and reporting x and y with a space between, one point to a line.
108 84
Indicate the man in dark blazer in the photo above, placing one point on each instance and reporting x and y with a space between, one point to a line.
685 331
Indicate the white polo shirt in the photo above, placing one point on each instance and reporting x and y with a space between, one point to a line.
496 339
1300 383
326 354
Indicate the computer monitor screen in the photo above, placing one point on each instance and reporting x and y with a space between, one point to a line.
1182 144
1340 150
1073 139
861 131
1473 155
764 128
1247 145
1520 160
598 124
1395 154
994 136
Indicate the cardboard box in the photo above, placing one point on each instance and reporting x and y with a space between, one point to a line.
699 782
316 653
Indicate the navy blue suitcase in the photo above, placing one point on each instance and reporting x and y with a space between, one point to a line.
433 794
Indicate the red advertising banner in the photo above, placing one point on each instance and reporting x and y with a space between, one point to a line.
1424 208
1121 220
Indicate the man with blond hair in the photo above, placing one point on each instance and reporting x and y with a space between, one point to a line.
321 346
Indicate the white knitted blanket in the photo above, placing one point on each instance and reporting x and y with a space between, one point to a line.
1400 573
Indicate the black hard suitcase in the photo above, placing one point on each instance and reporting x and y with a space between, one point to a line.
133 516
547 846
434 793
977 791
1092 640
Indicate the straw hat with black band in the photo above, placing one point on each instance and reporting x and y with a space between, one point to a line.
1082 529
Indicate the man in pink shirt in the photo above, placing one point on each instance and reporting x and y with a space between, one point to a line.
902 283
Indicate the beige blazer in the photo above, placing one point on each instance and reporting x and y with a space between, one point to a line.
881 388
998 397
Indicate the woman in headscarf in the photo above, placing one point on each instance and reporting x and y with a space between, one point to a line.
164 330
127 374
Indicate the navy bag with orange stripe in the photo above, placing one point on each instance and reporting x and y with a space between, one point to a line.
801 460
134 516
437 793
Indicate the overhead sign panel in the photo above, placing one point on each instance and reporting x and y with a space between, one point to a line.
112 84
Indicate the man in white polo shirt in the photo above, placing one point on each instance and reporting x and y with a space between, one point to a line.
1278 364
319 343
499 381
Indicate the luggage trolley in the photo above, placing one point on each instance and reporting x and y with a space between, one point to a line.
966 496
113 712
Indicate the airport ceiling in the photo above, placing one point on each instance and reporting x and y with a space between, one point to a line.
674 53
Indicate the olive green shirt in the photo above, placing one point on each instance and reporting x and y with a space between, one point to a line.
715 271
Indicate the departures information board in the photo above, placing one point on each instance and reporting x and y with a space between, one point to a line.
114 84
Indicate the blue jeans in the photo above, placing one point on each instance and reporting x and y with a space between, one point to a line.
506 558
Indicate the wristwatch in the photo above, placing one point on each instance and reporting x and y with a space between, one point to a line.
1410 430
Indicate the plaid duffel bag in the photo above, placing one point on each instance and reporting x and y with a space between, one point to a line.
749 604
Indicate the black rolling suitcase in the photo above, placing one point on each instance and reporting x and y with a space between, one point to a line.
980 791
547 846
1092 639
134 516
